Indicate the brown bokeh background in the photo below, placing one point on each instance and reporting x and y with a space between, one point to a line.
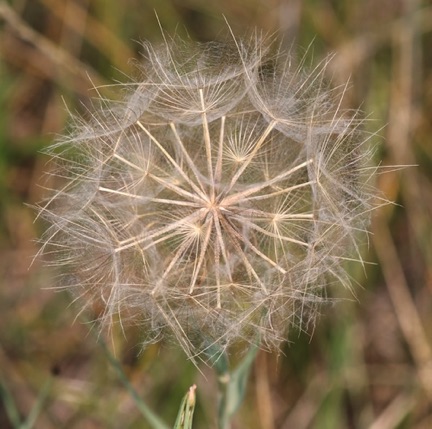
368 363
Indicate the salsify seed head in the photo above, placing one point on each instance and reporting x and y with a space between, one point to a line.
216 201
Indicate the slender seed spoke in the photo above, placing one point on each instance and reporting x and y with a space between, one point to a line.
234 239
242 237
177 189
252 225
281 191
130 164
207 143
270 216
149 199
146 236
217 273
251 156
176 327
166 237
221 243
218 168
188 159
178 254
174 202
172 161
234 198
203 252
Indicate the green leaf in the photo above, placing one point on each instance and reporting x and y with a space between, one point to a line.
12 411
187 407
238 380
9 405
37 407
235 387
217 359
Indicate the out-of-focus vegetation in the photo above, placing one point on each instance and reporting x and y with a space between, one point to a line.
368 363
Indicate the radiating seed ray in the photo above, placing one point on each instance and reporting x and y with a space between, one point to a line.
239 143
173 162
357 260
268 216
221 243
202 255
242 238
207 143
151 199
245 164
218 167
188 159
250 269
234 198
176 257
217 274
242 220
131 164
177 189
174 202
133 241
175 326
281 191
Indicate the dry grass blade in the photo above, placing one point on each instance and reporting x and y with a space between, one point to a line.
406 311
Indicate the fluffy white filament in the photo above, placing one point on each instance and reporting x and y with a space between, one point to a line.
216 201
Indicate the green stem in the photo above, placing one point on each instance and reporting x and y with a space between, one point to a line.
152 418
224 408
232 384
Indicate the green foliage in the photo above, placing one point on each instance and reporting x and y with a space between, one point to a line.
186 411
13 412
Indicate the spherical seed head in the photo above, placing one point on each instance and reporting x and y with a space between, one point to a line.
216 201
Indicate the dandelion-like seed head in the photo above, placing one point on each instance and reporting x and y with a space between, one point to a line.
216 201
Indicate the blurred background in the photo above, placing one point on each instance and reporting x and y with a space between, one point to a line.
368 361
